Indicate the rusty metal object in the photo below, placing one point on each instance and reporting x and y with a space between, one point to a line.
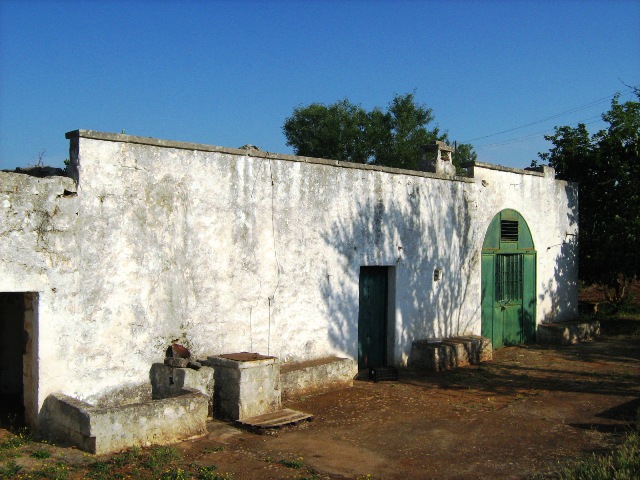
179 351
244 356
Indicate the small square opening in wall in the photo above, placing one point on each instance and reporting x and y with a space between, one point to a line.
437 275
508 230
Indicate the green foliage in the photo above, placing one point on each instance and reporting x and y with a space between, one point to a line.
176 474
9 446
161 456
296 463
607 167
59 471
99 470
336 131
344 131
218 448
398 133
209 473
40 454
10 470
622 464
126 458
463 154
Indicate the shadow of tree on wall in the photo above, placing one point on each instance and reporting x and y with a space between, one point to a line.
562 289
425 228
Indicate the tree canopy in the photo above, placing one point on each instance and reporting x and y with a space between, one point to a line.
607 167
347 132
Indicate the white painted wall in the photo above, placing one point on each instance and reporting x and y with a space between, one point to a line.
228 250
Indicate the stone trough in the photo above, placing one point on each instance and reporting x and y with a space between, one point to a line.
103 430
175 408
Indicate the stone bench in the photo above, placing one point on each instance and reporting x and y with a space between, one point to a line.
448 353
316 376
568 333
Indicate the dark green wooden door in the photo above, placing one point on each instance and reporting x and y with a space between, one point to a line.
507 306
508 281
372 317
529 300
488 295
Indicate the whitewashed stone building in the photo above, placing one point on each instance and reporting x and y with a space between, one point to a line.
229 250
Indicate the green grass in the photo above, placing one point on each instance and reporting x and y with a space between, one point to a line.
296 463
59 471
129 457
176 473
217 476
10 470
621 464
209 473
158 462
40 454
99 470
9 446
159 457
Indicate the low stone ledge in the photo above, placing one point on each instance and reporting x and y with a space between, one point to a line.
568 333
316 376
448 353
103 430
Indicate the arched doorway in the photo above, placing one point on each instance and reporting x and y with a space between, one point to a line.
508 281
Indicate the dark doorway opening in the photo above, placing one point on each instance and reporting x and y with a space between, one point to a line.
373 317
15 354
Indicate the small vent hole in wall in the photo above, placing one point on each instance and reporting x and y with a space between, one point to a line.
509 230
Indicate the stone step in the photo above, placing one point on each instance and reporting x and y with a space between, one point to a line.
568 333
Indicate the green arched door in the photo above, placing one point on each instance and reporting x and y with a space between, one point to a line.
508 281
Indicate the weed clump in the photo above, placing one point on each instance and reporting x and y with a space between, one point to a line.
621 464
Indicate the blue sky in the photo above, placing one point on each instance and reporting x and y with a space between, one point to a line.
230 73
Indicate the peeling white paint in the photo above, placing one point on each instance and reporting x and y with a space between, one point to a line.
229 250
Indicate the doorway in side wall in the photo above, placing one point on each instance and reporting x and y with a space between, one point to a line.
508 281
18 368
375 316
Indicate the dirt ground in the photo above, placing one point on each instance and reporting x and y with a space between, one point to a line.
528 409
525 412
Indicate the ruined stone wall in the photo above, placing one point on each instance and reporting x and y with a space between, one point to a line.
37 260
37 232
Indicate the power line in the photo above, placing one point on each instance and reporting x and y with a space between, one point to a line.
557 115
588 121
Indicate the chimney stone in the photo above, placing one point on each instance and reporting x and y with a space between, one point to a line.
437 157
